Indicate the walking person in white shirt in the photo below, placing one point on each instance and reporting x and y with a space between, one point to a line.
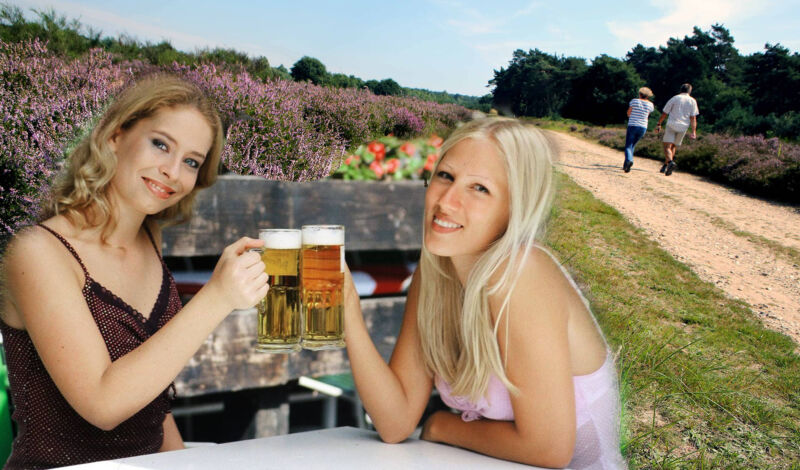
682 111
638 111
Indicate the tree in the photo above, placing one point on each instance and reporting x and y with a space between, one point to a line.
341 80
309 68
601 94
388 86
773 79
535 83
706 59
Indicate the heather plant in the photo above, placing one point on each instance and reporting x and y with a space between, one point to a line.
277 129
268 134
45 104
761 166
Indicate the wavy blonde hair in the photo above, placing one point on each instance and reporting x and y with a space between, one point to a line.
81 192
459 341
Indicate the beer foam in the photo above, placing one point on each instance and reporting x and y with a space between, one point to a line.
323 236
281 240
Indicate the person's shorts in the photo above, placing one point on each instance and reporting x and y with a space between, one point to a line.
673 135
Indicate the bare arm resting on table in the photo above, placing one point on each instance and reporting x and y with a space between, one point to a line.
45 287
538 363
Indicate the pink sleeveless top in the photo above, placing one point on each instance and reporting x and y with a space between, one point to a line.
597 410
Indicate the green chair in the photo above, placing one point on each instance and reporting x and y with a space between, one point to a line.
6 429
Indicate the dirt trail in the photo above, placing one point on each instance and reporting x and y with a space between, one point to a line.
695 220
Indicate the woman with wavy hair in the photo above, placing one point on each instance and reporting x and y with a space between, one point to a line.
491 320
92 324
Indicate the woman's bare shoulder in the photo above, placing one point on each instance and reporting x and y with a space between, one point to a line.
542 267
34 250
543 278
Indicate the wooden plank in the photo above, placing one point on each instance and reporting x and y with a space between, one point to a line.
227 361
376 216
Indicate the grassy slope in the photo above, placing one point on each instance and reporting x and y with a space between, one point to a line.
705 385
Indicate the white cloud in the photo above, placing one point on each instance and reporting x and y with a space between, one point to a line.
532 6
474 22
111 24
680 17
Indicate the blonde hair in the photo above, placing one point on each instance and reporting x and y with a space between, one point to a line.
81 192
459 341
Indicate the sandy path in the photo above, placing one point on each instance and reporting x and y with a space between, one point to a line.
694 220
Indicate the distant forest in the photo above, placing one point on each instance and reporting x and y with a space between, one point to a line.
72 39
737 95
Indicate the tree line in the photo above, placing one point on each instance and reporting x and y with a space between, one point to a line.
70 38
738 94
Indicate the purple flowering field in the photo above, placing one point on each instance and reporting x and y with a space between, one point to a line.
280 130
761 166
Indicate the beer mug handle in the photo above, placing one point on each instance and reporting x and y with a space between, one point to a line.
260 251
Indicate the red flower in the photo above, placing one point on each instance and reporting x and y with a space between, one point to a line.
376 147
349 159
377 168
408 148
392 165
431 160
436 141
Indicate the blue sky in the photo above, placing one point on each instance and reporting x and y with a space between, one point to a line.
451 45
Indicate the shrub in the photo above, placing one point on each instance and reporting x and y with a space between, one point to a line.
761 166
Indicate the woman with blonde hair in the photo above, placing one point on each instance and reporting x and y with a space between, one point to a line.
639 110
92 324
491 319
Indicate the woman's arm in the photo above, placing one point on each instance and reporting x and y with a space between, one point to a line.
630 110
394 395
538 362
46 293
172 437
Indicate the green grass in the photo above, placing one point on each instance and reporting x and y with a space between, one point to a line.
704 384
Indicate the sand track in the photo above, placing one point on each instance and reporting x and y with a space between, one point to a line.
695 220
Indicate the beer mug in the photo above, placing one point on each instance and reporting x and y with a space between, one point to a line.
323 280
280 312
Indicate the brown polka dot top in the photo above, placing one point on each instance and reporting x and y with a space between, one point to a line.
50 433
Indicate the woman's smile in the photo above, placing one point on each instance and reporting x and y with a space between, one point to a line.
159 189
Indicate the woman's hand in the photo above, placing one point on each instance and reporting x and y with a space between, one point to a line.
239 278
352 302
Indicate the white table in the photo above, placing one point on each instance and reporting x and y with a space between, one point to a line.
338 448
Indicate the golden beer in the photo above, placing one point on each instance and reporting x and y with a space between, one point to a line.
323 281
280 312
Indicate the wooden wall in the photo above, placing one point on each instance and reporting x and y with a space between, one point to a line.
376 216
